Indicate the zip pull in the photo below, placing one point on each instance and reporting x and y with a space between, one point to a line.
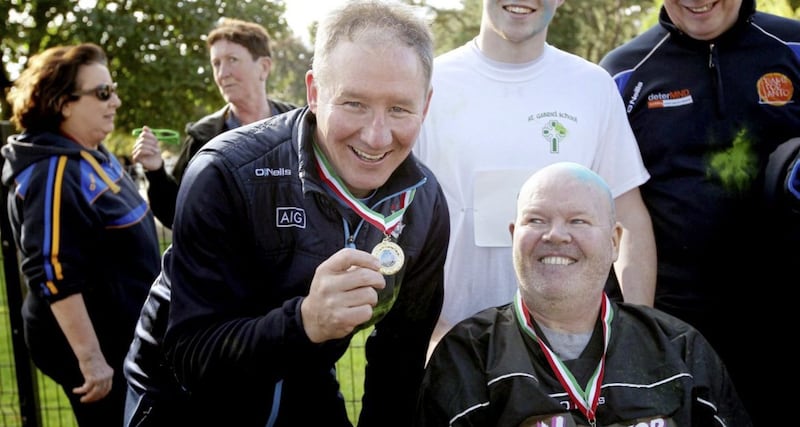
711 56
716 80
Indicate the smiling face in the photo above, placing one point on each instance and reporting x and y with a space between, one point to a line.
370 99
564 236
515 32
89 119
703 19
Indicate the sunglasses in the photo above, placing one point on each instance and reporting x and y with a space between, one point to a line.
102 92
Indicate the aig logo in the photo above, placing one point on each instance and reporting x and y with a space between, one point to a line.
290 217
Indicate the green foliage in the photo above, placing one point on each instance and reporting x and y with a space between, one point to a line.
291 60
454 27
736 167
787 8
591 28
157 52
588 28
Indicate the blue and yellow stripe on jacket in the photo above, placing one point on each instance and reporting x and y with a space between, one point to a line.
95 180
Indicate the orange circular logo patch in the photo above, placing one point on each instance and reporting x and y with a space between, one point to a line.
775 89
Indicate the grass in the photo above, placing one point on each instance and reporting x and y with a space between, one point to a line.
9 398
54 409
350 372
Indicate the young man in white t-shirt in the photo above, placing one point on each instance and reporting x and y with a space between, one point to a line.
506 104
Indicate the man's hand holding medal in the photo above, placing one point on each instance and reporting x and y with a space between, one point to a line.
343 293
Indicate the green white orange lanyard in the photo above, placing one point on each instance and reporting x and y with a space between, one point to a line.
384 223
585 400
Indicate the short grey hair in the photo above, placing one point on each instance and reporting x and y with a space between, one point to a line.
383 21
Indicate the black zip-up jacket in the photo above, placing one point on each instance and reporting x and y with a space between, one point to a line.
707 115
163 188
254 221
81 226
658 371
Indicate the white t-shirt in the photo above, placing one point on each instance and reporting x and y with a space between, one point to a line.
490 125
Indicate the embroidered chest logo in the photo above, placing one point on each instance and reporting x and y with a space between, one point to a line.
290 217
637 90
554 132
273 172
675 98
774 89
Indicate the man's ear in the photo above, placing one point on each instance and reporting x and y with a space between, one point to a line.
427 102
616 239
312 92
266 67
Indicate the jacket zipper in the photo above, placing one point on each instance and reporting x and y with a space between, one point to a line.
716 79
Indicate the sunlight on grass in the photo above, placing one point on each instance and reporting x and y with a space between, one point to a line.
350 372
54 408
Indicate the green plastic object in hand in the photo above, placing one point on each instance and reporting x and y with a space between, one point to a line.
167 136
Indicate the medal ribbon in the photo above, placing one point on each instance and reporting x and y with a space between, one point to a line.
585 400
383 223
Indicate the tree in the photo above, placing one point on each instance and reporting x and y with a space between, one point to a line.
291 60
158 55
588 28
787 8
591 28
156 49
454 27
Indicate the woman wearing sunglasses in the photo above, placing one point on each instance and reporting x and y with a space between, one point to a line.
87 239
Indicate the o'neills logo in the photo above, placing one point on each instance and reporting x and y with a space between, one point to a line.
774 89
273 172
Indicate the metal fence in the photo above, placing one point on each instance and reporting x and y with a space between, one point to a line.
30 399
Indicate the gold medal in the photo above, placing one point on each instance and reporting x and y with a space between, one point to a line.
391 256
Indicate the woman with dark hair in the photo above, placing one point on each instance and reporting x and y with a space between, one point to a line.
241 61
87 239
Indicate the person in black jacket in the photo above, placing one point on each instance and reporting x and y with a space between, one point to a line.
241 59
295 232
86 238
711 91
563 353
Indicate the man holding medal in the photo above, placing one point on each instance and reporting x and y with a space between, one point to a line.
564 354
293 233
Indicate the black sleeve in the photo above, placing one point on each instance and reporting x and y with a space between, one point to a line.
162 192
